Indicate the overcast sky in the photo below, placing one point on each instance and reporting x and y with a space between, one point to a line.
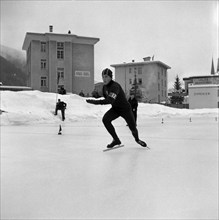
182 34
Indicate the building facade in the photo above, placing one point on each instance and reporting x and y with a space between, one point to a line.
203 96
203 91
150 75
200 80
60 60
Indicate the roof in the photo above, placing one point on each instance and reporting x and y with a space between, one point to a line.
141 63
198 77
57 37
203 86
15 88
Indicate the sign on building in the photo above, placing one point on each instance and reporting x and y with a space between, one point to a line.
203 96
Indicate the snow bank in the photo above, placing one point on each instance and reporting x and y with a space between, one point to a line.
156 110
31 107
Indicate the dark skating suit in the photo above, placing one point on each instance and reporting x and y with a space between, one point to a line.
134 105
114 95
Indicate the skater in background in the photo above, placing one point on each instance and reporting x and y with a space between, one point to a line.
60 105
62 90
114 95
81 93
134 105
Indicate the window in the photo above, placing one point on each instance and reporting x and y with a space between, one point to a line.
139 70
60 73
135 70
158 75
60 50
82 73
43 81
130 81
130 70
60 54
43 46
158 86
139 81
43 64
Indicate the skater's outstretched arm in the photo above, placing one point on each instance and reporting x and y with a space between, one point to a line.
108 98
98 102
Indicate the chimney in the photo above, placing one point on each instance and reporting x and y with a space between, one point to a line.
147 58
69 32
50 28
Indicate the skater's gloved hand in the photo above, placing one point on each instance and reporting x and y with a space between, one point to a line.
91 101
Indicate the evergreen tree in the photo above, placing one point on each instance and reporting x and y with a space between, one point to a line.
177 97
177 85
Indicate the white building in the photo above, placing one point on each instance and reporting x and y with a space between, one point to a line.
203 96
57 60
202 91
150 75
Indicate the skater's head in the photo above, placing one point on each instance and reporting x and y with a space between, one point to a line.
107 76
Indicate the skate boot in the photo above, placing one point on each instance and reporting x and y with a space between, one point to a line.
114 143
142 143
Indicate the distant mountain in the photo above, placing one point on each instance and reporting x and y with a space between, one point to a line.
12 69
11 75
14 56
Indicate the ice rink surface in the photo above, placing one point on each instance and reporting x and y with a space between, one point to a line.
68 176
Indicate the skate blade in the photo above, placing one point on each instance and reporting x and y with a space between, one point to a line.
113 148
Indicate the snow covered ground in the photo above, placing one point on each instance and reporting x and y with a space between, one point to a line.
68 176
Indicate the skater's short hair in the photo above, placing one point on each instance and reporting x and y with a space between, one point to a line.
107 72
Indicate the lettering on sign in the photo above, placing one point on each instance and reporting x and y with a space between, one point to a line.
82 73
202 93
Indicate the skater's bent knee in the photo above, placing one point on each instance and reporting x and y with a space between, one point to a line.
104 120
